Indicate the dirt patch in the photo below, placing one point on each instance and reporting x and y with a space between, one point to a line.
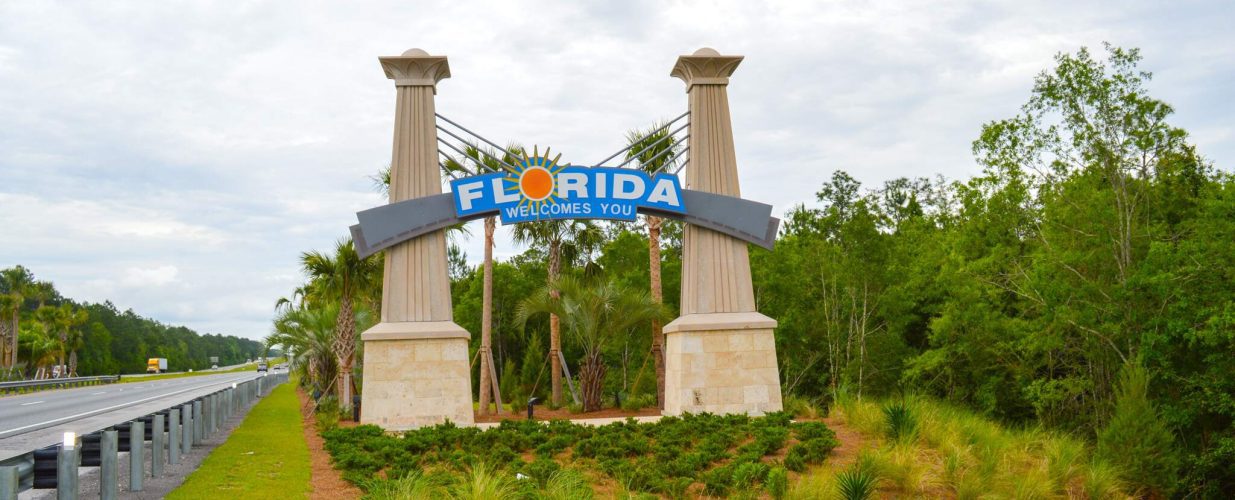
326 483
850 443
543 413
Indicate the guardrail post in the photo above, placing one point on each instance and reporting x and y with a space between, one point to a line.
109 462
186 428
173 436
10 482
156 445
197 422
137 462
66 468
207 417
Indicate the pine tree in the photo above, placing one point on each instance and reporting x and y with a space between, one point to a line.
1136 439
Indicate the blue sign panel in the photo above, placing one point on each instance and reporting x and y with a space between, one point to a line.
541 190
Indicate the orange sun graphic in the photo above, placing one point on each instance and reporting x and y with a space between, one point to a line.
535 179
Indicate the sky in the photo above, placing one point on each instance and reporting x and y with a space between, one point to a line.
177 157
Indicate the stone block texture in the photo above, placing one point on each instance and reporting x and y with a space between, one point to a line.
416 382
721 371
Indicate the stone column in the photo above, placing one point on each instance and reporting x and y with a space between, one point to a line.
720 355
415 360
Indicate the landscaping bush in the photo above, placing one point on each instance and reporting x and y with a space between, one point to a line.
730 454
777 482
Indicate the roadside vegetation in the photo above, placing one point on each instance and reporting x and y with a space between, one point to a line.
1078 290
265 457
43 333
248 367
674 457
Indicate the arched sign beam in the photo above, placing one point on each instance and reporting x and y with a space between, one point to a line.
388 225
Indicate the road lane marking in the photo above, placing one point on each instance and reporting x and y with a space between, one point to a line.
55 421
31 403
97 393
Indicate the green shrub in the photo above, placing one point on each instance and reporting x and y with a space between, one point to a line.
326 413
900 422
717 482
812 430
777 483
639 402
856 483
1136 440
809 452
750 474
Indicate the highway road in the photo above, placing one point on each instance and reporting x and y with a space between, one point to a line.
31 419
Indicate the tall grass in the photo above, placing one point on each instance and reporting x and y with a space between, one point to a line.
483 482
921 446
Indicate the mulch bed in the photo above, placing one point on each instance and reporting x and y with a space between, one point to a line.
327 483
544 413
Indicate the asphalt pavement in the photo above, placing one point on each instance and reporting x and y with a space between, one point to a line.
38 419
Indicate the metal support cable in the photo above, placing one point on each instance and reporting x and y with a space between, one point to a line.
508 166
474 134
447 170
684 162
631 158
449 159
663 153
641 139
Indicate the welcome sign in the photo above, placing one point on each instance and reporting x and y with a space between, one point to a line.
538 189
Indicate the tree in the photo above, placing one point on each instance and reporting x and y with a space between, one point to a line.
564 240
654 150
340 278
308 336
1136 439
18 281
484 160
594 312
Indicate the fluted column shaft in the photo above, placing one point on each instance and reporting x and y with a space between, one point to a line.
715 267
417 287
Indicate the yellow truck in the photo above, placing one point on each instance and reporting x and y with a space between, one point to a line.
156 365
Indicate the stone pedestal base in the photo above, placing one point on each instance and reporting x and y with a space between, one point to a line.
721 363
416 375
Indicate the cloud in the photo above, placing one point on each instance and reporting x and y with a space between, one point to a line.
220 142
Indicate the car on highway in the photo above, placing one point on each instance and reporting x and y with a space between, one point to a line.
261 367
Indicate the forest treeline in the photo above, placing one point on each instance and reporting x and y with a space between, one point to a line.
1084 282
97 339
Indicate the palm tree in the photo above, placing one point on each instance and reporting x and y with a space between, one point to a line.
594 313
565 240
41 346
10 307
308 336
485 160
655 152
75 337
340 278
19 281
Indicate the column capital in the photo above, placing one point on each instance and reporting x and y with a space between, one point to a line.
705 67
415 68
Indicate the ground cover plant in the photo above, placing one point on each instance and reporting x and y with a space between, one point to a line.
674 457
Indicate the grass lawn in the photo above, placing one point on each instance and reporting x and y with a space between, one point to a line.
266 457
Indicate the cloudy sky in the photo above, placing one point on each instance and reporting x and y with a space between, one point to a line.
176 157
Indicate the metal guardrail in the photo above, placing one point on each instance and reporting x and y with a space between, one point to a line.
33 385
172 432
